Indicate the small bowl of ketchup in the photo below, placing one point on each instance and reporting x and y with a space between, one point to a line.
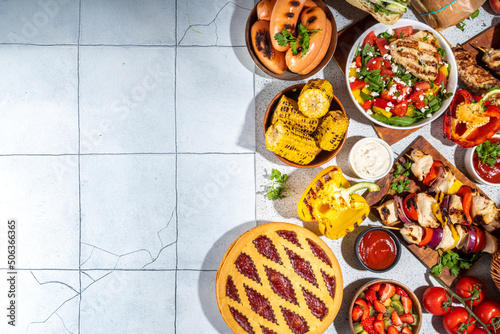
483 172
378 249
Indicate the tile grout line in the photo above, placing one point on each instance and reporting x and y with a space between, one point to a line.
79 170
176 177
127 45
120 154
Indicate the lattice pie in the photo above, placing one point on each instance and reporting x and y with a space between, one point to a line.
279 278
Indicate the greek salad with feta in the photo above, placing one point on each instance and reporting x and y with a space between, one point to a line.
399 77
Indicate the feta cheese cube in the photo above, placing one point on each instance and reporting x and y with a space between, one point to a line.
352 79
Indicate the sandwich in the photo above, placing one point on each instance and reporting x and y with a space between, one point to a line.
385 11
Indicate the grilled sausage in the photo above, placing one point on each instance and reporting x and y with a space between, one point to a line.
322 52
315 19
284 16
267 54
264 9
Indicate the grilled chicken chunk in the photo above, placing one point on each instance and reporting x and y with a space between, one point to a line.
456 210
476 78
424 36
388 212
491 58
447 242
412 233
421 165
444 181
417 55
491 244
485 210
426 217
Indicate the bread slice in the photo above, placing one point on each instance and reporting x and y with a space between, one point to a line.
367 6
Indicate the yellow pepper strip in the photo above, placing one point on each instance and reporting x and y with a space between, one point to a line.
454 187
436 209
330 201
454 234
357 95
387 114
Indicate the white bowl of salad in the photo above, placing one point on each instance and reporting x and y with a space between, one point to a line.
401 76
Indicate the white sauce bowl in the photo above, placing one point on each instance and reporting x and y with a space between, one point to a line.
371 153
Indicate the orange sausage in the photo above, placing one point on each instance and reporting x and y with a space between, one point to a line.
265 8
309 4
315 19
284 16
322 52
267 54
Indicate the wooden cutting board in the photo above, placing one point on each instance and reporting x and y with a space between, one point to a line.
345 42
427 256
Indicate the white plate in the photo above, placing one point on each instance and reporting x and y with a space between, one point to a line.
450 58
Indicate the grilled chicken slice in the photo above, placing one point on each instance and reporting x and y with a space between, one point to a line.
424 36
463 237
447 242
491 244
426 217
485 210
491 58
417 56
388 212
456 210
412 233
476 78
444 181
421 165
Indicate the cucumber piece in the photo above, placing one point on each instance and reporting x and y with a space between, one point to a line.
378 2
358 328
398 307
396 8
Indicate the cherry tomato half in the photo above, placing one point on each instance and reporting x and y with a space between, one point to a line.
489 313
410 206
436 300
468 287
458 320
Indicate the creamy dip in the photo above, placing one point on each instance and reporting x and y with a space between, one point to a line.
370 159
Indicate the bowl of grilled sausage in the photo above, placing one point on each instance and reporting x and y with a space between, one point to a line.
291 40
401 76
305 125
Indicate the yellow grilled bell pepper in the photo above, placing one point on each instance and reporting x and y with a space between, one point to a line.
455 236
329 200
357 95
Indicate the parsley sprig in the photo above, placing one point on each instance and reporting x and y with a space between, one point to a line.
278 185
454 262
297 44
488 153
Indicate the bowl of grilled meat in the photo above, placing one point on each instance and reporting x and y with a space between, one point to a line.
305 125
401 76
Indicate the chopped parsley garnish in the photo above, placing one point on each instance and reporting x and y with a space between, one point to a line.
296 44
488 153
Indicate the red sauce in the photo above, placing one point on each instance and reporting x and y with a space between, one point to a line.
377 250
485 171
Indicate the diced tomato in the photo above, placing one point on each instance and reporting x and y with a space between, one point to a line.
357 84
404 89
386 72
381 44
441 79
381 103
440 60
358 61
386 95
370 39
400 109
368 104
374 63
422 85
404 32
387 64
415 99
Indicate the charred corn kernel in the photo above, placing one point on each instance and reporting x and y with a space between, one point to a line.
352 72
387 114
288 112
454 187
315 98
357 95
290 144
331 130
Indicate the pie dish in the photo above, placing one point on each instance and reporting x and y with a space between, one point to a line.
279 278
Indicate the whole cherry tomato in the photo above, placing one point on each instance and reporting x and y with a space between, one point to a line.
478 331
436 300
458 321
489 313
470 287
410 207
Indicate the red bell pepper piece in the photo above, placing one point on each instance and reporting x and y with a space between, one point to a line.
470 123
368 104
433 173
357 84
465 192
358 61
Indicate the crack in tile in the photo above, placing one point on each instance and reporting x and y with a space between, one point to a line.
97 280
51 282
55 312
190 27
66 328
88 276
119 256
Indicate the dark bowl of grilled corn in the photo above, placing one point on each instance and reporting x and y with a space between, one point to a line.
307 133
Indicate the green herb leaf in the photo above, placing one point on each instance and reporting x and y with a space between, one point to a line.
461 25
302 41
453 262
474 15
396 121
278 185
442 52
488 153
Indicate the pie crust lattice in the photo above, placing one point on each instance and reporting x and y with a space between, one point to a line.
279 278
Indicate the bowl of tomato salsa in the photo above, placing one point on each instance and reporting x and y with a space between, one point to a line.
483 162
378 249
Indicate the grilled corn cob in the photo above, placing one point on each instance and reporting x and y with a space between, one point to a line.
315 98
288 112
292 145
331 130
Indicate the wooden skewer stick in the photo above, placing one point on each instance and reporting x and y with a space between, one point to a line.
392 227
478 47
